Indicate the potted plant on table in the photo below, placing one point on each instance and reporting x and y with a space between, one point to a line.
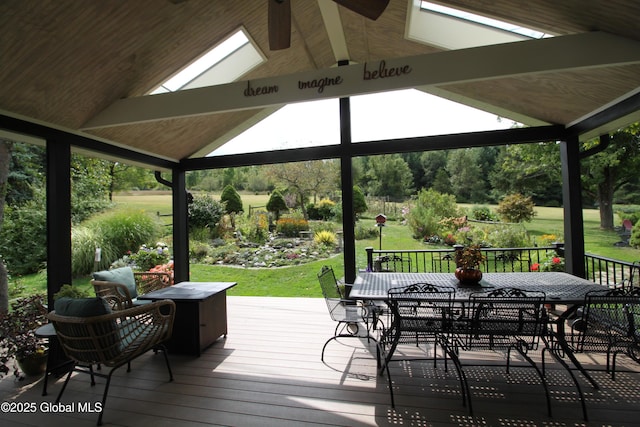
468 260
18 340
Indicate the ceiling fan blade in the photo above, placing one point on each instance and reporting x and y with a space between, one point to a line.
279 24
371 9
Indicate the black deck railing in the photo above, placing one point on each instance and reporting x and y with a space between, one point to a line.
605 271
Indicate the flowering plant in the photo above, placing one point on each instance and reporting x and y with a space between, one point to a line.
163 268
551 263
147 258
469 257
17 331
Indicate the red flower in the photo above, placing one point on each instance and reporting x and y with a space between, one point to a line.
556 260
535 267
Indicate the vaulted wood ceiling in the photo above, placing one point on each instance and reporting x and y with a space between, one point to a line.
65 61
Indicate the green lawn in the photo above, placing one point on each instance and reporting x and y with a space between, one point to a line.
300 281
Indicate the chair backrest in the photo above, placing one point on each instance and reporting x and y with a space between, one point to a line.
608 319
86 329
122 275
332 296
329 283
116 294
422 308
147 281
90 333
504 318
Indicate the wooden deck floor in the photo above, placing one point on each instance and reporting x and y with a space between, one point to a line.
268 372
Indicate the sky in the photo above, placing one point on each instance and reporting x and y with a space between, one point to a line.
388 115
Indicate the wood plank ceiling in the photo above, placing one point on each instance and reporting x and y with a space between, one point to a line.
65 61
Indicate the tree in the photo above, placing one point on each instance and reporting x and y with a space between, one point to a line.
530 169
610 170
465 176
516 208
5 158
231 200
276 204
390 176
433 163
305 178
359 202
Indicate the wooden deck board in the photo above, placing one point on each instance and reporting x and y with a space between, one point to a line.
268 372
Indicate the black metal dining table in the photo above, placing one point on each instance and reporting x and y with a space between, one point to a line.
558 287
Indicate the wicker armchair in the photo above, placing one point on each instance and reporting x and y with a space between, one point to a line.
121 286
97 336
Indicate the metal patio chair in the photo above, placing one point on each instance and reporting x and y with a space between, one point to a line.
608 323
347 313
503 319
419 314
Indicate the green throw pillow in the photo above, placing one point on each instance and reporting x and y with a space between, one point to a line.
122 275
81 307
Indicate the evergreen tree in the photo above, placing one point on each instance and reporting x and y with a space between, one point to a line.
231 200
276 204
359 202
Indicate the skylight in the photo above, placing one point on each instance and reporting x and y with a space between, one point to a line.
224 63
451 28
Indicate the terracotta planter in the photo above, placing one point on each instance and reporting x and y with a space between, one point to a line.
468 276
33 365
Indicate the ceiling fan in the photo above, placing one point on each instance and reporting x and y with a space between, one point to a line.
280 17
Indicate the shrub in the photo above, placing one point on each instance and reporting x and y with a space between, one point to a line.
516 208
336 212
429 209
313 212
146 258
363 232
483 213
508 236
84 241
115 233
291 226
124 231
359 201
634 240
198 250
24 255
325 207
276 204
326 238
231 200
254 228
317 226
206 213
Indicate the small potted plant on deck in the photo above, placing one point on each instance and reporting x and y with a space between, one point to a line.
18 340
468 260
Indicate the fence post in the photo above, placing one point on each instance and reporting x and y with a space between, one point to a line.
369 250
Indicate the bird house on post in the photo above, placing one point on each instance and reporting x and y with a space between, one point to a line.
380 220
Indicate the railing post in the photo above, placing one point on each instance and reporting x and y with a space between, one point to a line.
369 250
